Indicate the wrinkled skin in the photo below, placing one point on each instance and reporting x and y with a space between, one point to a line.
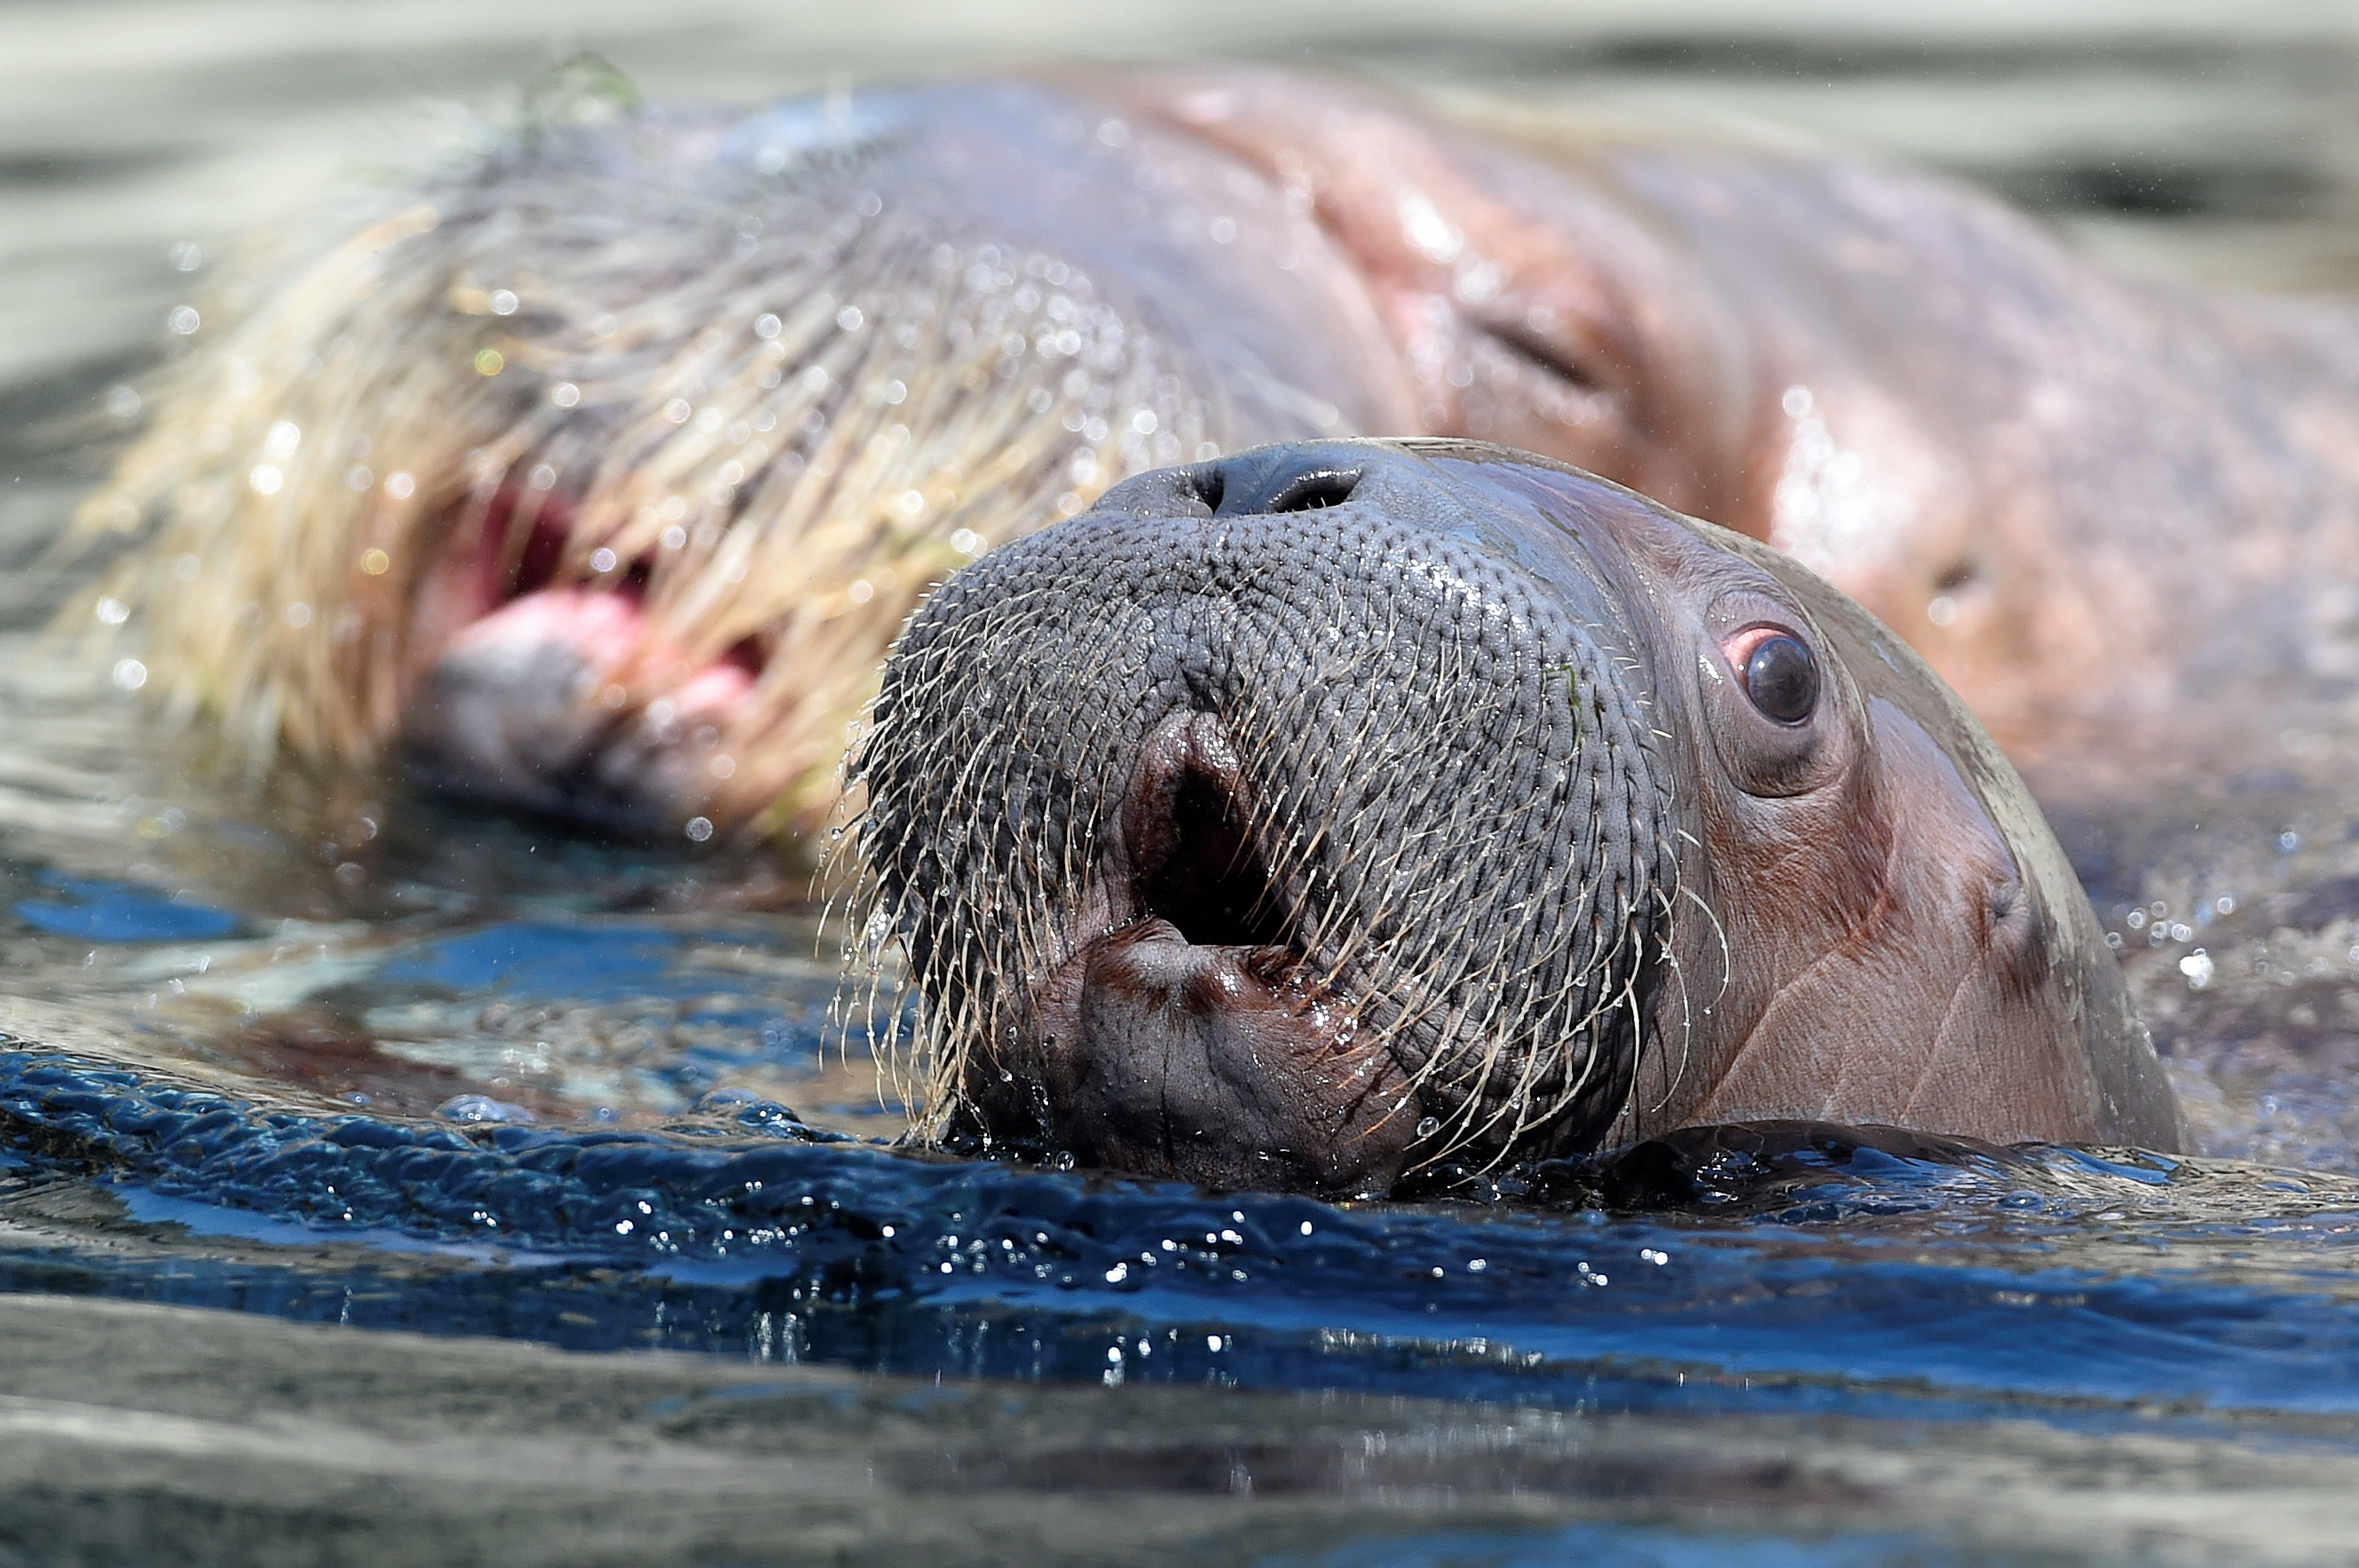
2096 506
1338 813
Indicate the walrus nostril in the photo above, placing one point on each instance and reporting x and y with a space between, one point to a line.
1311 492
1308 492
1187 827
1274 481
1210 485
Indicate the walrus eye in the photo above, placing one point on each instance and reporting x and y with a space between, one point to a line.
1782 678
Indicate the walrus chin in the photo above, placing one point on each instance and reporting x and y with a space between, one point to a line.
1331 814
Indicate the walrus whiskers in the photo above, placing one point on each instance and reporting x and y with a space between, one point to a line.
787 449
1377 894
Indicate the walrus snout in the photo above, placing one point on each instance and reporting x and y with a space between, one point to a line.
1260 828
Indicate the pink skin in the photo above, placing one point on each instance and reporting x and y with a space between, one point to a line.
607 630
534 693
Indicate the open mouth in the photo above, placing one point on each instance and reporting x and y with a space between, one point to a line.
1190 1030
567 696
615 632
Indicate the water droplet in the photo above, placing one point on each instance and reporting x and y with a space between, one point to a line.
483 1109
400 486
503 302
113 611
266 479
490 362
699 829
123 402
1427 1126
184 319
602 560
188 256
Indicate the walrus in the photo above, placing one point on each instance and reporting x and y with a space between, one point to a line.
594 474
1340 811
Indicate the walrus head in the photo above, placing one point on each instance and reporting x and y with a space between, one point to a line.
1330 813
594 479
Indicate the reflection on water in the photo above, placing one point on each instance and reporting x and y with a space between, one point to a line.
364 1061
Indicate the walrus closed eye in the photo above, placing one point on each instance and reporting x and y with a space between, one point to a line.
1334 813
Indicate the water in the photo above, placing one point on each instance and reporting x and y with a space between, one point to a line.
422 1098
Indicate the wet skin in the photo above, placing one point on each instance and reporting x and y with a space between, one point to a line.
2096 506
1338 813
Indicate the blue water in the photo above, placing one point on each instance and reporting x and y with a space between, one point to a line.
112 911
2089 1290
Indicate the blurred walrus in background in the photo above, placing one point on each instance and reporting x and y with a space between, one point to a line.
595 475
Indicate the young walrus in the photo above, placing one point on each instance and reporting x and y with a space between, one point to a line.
1321 815
593 477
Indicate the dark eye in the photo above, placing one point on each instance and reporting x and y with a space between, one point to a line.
1782 678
